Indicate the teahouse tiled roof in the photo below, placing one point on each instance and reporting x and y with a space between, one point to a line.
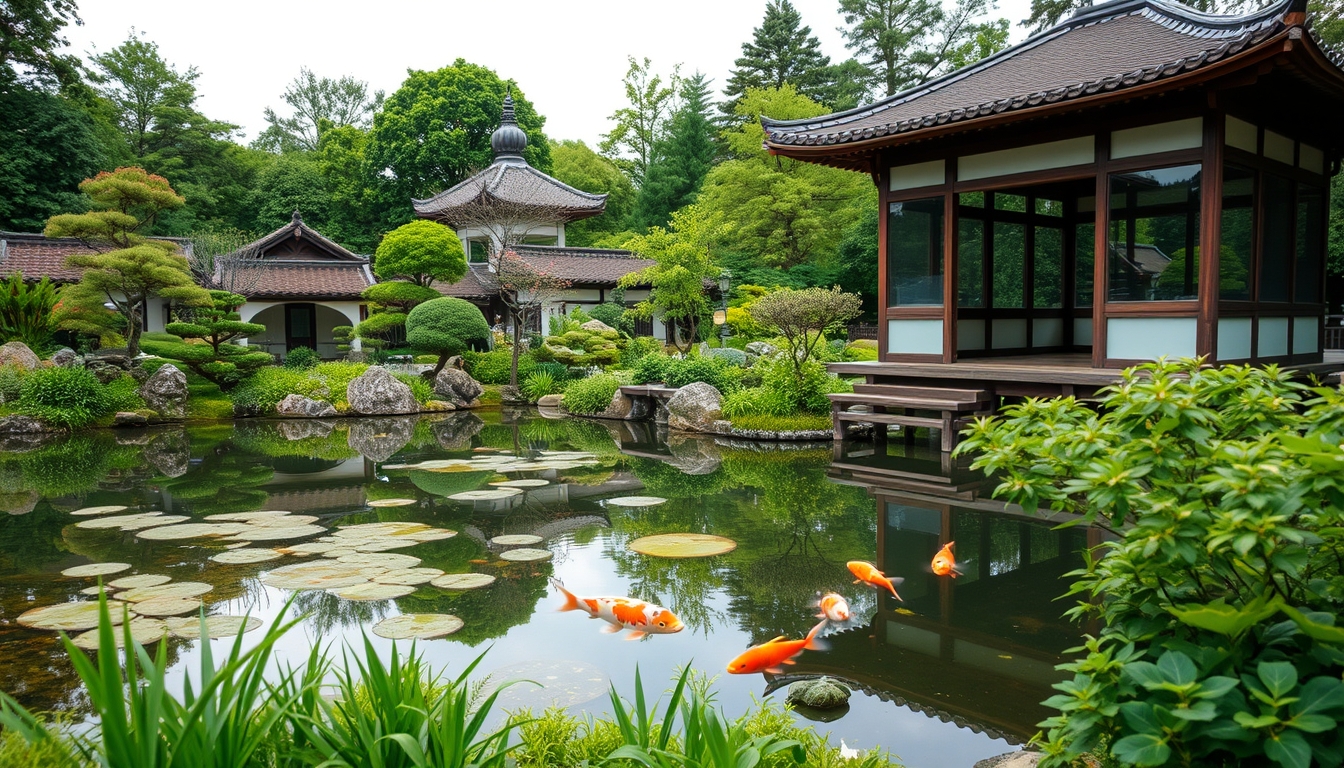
1102 48
312 280
582 267
34 255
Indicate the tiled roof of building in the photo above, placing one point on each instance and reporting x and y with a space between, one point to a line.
513 182
312 280
297 230
34 255
582 267
1102 48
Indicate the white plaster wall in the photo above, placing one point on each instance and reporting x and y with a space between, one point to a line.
271 314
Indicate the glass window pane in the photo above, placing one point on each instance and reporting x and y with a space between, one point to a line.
1006 202
1310 248
1048 265
1085 249
970 263
915 253
1047 207
1010 244
479 253
1276 238
1154 225
972 199
1234 258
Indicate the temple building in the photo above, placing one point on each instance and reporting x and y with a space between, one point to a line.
511 205
1046 209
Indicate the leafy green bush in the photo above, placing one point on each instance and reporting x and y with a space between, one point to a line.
268 386
608 313
420 386
446 327
721 374
64 397
123 394
734 356
1218 599
540 384
638 348
26 312
796 422
578 347
591 395
11 383
493 367
651 368
301 357
757 401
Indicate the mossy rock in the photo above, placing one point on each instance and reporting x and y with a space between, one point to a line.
822 693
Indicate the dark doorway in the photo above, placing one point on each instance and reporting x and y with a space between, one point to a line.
300 326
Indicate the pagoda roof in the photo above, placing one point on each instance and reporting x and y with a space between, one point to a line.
1099 52
581 267
514 182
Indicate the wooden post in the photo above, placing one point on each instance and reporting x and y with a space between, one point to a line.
950 268
883 183
1210 236
1102 254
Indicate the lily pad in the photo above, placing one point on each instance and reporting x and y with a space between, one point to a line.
384 559
243 517
321 574
679 545
189 531
339 552
408 577
283 521
371 591
95 569
215 626
167 606
429 534
140 580
526 555
379 529
486 495
69 617
463 581
181 589
246 556
517 540
385 545
376 503
104 510
143 631
421 626
271 533
311 548
132 522
532 482
637 501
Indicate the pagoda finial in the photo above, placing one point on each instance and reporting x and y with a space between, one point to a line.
508 141
296 218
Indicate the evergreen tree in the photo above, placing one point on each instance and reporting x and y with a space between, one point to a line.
782 50
907 42
682 159
47 146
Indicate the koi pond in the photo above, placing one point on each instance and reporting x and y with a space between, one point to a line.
953 674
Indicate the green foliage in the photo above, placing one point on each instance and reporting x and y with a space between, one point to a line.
26 312
493 367
33 40
795 422
786 390
288 183
399 294
577 165
734 356
217 360
301 357
541 383
11 383
421 253
638 348
857 256
421 387
319 104
652 367
580 348
908 42
446 326
326 381
122 394
608 313
48 145
680 159
684 260
716 371
591 395
643 123
70 398
802 318
1218 596
782 51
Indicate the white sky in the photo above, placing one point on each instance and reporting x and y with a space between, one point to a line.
568 57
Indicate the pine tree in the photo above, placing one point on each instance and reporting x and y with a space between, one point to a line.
782 50
681 160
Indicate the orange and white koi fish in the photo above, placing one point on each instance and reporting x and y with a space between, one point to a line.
623 613
945 563
833 608
772 656
867 573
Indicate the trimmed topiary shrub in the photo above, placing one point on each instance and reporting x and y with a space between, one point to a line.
64 397
719 373
301 357
591 395
446 327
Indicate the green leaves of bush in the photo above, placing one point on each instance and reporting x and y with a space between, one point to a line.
69 398
591 395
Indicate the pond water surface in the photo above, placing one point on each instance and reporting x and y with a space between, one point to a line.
951 675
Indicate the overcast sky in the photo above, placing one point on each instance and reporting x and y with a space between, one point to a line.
568 57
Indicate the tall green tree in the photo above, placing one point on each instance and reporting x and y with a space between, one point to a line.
642 124
47 146
781 51
907 42
684 256
856 267
31 41
434 131
577 165
133 268
288 183
784 212
682 159
421 252
352 207
314 102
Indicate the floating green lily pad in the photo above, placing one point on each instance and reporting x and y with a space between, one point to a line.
69 617
463 581
104 510
129 522
277 533
189 531
181 589
384 559
371 591
532 482
526 555
376 503
246 556
637 501
167 606
421 626
408 577
487 495
141 580
95 569
679 545
143 631
517 540
321 574
283 521
215 626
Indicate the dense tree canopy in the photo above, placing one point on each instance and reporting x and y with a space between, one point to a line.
681 159
420 252
580 167
47 146
31 39
781 51
318 103
642 124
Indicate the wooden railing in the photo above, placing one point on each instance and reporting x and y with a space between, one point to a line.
1334 332
862 331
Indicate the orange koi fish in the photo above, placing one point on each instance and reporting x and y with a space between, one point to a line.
623 613
833 608
867 573
945 563
772 656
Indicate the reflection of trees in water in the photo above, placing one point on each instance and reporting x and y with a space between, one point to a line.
267 439
326 612
683 586
71 465
489 612
225 481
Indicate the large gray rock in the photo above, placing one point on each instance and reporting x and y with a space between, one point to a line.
457 387
129 419
693 454
19 502
166 392
64 357
379 439
694 408
18 424
378 393
18 354
625 408
298 406
454 432
170 452
550 401
596 326
301 430
760 349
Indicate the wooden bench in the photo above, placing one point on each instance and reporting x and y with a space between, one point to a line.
906 406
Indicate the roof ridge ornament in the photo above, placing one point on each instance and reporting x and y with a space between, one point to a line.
509 140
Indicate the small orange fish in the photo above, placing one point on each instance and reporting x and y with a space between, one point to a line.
867 573
772 656
944 563
623 613
833 608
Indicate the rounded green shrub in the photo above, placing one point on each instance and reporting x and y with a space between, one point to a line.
651 368
591 395
719 373
63 397
446 326
540 384
301 357
608 313
735 356
493 367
